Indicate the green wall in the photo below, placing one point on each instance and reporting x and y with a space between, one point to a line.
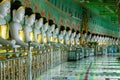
62 12
52 11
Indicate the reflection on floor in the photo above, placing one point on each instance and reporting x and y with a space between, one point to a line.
93 68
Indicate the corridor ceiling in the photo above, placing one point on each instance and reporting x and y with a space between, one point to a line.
104 8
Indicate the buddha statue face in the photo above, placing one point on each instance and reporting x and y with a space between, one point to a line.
52 28
56 31
74 34
29 16
4 7
29 20
69 32
18 11
45 26
18 14
63 32
39 23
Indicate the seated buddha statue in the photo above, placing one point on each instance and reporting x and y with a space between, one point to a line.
88 36
44 29
16 28
29 21
77 38
84 35
93 38
50 31
28 30
55 34
72 38
67 36
4 26
61 35
37 28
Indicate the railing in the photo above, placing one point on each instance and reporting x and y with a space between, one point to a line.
30 67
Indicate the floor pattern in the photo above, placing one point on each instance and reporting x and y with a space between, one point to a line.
92 68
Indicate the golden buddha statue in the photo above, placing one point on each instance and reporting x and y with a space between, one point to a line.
37 28
62 33
16 28
55 34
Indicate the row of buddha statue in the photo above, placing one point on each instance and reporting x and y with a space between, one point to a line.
35 28
102 39
38 29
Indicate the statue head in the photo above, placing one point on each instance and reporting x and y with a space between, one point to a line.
4 7
62 30
73 33
45 23
52 25
38 20
68 31
18 11
78 34
56 30
29 16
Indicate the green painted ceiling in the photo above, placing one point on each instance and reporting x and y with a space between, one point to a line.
104 8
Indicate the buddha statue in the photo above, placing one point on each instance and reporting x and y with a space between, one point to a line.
55 34
50 31
92 37
62 33
29 21
44 29
67 36
88 37
37 28
16 28
4 26
72 38
77 38
84 37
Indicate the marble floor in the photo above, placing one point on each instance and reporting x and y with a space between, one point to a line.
92 68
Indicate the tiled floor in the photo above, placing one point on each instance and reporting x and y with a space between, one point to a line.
93 68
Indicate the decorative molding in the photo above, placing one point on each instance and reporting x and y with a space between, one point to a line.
67 22
26 3
48 15
42 12
54 19
61 21
35 7
73 25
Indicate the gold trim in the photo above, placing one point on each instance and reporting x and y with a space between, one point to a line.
31 35
51 38
4 31
21 7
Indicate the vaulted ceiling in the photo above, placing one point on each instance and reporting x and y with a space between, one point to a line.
104 8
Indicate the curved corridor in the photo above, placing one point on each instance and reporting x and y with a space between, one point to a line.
93 68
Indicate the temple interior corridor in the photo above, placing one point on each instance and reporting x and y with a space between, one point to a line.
92 68
59 39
